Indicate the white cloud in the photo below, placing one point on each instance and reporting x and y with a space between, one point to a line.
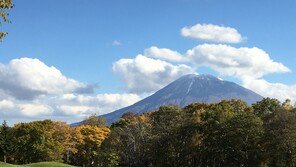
274 90
212 33
30 90
28 78
82 105
23 109
67 107
6 104
146 75
164 54
116 43
33 110
239 62
249 65
100 103
117 100
68 96
71 110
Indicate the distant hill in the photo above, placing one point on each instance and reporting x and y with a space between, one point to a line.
186 90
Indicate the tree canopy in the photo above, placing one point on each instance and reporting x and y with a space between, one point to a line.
228 133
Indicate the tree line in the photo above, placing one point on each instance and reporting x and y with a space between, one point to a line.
228 133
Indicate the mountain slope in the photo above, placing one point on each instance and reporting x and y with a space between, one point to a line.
188 89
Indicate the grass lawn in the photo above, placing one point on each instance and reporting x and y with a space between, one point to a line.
39 164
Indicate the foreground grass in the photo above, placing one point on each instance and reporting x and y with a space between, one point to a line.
6 165
39 164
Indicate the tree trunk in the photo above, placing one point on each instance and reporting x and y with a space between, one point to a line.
4 158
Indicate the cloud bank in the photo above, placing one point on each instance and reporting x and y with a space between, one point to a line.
29 89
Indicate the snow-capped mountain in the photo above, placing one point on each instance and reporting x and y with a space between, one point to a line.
189 89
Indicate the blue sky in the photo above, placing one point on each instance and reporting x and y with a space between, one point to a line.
77 37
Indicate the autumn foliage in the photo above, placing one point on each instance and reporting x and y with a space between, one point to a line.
228 133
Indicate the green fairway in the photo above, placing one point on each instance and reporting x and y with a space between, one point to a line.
39 164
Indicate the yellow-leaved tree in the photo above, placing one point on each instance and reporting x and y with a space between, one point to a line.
88 140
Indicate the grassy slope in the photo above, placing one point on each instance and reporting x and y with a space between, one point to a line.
2 164
40 164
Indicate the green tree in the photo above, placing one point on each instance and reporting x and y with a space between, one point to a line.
95 120
266 106
128 143
6 145
192 136
61 136
287 105
221 129
166 144
125 119
189 148
239 140
40 141
280 138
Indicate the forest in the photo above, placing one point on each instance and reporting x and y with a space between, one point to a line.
228 133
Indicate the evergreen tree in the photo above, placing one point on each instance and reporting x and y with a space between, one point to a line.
5 141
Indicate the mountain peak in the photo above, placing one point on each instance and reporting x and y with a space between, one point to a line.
199 76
